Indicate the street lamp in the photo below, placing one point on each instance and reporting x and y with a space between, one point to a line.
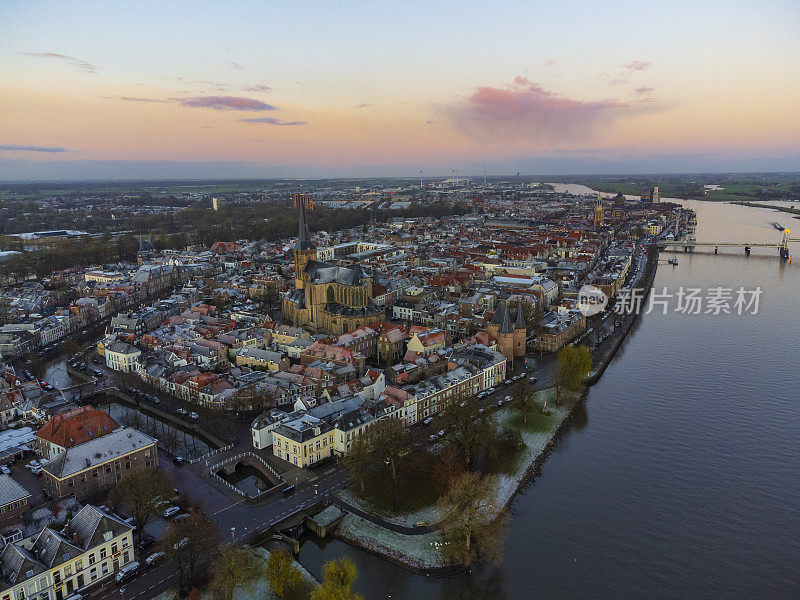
233 534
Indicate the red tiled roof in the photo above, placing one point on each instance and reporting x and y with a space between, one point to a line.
77 426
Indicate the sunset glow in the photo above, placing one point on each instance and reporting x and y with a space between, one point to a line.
391 88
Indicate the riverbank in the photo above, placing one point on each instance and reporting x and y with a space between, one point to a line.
784 209
417 552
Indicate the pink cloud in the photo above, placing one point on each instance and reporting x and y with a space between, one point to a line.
526 110
643 90
637 65
80 65
274 121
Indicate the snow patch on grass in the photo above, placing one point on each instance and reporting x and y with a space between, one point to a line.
416 551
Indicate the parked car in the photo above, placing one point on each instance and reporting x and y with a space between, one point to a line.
5 470
181 517
153 558
432 438
127 571
34 464
427 421
37 471
180 544
194 415
178 460
146 543
181 411
172 511
533 379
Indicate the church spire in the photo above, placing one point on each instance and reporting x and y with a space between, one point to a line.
505 323
520 324
304 234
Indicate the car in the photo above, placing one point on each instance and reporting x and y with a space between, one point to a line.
34 464
490 390
178 460
500 403
181 517
481 411
146 543
75 596
427 421
5 470
433 437
181 411
194 415
533 379
153 558
182 543
37 471
440 433
155 400
127 571
523 374
172 511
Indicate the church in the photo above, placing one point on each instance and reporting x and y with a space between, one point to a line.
327 298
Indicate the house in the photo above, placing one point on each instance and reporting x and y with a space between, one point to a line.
425 341
121 356
96 465
14 500
71 429
267 359
52 565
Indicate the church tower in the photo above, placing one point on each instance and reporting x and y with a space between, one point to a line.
598 213
304 249
501 329
520 332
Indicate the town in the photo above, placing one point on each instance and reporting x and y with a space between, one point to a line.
348 382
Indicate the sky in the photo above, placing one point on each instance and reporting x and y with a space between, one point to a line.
128 90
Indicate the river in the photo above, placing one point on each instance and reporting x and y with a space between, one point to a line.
680 477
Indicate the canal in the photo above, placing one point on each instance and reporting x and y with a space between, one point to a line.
680 477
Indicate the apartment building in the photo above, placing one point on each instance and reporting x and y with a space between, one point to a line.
53 565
